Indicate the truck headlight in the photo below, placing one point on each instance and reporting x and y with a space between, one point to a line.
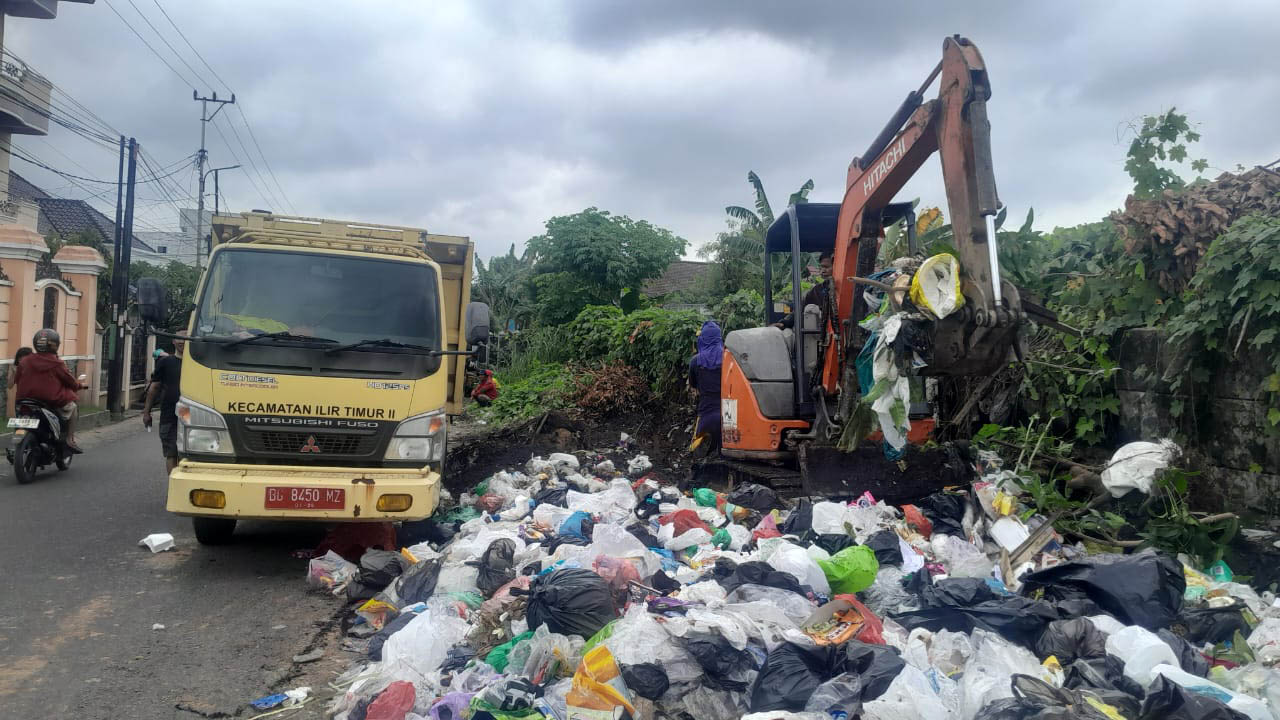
421 437
201 430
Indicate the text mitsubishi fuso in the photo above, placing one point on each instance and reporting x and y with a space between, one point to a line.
323 359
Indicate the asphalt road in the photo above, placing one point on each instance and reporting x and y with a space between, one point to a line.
79 597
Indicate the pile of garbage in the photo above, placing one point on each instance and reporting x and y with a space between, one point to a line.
577 589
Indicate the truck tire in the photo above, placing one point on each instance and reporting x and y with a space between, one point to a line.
213 531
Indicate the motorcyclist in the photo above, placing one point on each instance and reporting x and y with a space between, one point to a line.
46 379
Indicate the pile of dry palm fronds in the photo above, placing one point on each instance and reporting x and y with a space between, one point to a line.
1183 222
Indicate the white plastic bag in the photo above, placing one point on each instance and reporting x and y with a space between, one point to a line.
829 518
793 560
1135 466
739 536
1252 707
688 539
552 516
935 287
1141 650
613 504
1265 641
615 541
961 558
457 578
638 466
421 645
986 675
911 696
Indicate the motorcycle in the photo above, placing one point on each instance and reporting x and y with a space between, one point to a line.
38 439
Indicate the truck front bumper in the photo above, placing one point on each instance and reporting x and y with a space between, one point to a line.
244 489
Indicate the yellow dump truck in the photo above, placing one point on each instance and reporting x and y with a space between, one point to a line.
322 361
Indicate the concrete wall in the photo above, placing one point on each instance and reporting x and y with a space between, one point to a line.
1223 426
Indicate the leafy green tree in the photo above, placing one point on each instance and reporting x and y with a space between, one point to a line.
594 258
1160 139
506 285
739 252
180 284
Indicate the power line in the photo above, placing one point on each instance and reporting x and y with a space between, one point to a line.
273 199
237 158
243 117
144 42
165 40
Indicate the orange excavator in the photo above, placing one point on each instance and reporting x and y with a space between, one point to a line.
788 394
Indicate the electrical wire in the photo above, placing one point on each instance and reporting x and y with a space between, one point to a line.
253 182
144 42
273 199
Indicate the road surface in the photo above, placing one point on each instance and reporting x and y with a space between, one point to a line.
79 597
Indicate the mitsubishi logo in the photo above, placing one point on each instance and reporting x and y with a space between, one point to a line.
310 446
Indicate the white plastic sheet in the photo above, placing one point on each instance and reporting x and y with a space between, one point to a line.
1141 650
1136 465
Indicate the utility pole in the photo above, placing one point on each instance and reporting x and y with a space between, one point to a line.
202 157
116 381
215 172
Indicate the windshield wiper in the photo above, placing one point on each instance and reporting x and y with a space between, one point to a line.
384 342
282 335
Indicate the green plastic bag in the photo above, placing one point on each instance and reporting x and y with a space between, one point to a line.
478 705
721 539
481 488
460 514
471 599
851 570
497 657
601 635
706 497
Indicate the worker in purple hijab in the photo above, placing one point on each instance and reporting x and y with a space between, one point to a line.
704 378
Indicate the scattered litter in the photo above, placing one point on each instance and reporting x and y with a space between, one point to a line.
157 626
157 542
586 586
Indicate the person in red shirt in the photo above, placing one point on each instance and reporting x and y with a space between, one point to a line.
487 391
43 376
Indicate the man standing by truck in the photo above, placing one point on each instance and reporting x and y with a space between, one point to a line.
166 383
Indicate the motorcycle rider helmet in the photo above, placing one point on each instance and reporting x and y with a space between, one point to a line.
46 340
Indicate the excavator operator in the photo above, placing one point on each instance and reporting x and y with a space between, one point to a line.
817 295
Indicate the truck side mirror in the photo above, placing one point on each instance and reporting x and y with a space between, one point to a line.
152 301
477 323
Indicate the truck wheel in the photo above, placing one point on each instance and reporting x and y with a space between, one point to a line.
213 531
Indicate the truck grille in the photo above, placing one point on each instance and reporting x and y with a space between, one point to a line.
292 442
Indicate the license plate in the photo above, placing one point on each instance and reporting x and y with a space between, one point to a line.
24 422
304 498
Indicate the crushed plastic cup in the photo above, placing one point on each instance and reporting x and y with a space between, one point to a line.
157 542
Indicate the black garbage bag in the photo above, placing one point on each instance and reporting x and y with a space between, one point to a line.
457 658
640 531
1212 625
1166 700
418 583
1016 619
945 511
648 680
1191 659
1068 640
429 530
497 566
755 496
572 601
664 583
1141 589
832 543
885 545
378 568
731 576
840 694
559 540
1104 677
800 520
726 667
875 665
558 496
1034 699
380 638
790 675
962 604
1079 607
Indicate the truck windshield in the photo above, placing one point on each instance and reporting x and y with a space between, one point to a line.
331 297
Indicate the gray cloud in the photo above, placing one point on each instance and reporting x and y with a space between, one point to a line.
487 118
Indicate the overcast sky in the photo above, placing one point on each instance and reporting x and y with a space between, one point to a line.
485 119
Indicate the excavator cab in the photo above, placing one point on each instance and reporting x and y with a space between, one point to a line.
788 395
